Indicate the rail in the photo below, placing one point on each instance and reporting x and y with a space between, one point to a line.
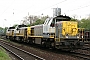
30 54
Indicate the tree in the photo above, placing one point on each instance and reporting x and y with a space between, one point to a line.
29 20
39 21
72 19
85 23
34 20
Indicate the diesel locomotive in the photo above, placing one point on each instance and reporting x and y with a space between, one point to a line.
56 32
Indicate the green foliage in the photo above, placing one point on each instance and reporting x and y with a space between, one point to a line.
28 25
85 23
1 28
34 20
37 22
3 55
2 31
72 19
15 25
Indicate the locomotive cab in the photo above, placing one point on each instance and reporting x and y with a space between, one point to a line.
67 34
9 32
49 25
63 31
20 32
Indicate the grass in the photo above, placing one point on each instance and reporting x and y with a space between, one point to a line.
8 40
4 55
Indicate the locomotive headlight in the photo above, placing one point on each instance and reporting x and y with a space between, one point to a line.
66 35
48 34
77 35
82 36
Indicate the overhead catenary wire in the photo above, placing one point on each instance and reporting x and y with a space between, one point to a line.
7 8
78 8
50 6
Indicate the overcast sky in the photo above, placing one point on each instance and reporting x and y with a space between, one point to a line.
13 11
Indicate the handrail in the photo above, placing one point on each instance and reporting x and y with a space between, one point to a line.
82 34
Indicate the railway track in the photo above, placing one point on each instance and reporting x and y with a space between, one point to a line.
21 54
82 56
86 48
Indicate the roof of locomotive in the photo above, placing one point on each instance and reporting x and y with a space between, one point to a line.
19 26
22 26
62 18
11 28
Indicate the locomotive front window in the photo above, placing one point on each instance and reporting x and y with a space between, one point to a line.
52 23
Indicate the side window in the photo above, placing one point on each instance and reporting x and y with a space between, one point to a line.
47 21
52 23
